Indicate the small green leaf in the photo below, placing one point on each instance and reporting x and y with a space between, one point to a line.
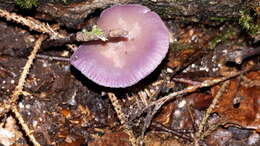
97 32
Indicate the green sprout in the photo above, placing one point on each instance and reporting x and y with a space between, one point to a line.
96 32
27 4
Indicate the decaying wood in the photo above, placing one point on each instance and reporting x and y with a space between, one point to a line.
208 12
75 14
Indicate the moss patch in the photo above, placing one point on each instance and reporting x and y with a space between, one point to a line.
27 4
247 22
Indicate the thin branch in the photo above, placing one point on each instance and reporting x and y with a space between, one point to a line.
32 23
221 91
172 131
25 127
207 83
213 127
186 81
66 59
117 107
19 88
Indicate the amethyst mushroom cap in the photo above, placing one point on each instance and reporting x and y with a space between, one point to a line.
120 63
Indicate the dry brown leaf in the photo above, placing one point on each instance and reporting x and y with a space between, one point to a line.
248 112
111 139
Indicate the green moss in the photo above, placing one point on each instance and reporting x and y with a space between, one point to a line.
27 4
221 38
178 46
219 19
247 22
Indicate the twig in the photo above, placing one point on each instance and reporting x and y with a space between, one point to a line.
194 126
117 107
187 81
122 118
25 126
211 107
53 57
156 105
148 119
19 88
143 97
212 128
32 23
172 131
191 89
153 107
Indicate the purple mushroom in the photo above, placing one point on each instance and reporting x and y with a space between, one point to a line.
122 62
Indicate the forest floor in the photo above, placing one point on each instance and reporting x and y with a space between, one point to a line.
205 92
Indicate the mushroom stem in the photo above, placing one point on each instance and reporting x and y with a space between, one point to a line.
105 36
85 37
